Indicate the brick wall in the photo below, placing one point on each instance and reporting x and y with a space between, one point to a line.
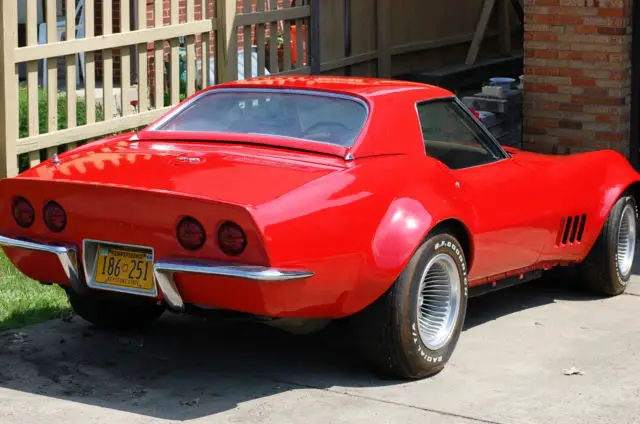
577 75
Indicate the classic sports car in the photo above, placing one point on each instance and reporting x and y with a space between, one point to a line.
298 200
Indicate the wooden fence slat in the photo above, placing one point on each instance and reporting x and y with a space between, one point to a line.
273 47
158 58
70 64
383 12
51 151
143 66
125 61
174 55
300 62
34 158
205 44
260 40
288 13
89 65
25 54
52 69
247 43
504 17
107 63
190 41
9 115
311 44
32 73
226 41
286 36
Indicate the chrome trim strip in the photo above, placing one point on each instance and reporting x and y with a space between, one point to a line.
482 127
67 256
227 269
168 288
165 269
476 121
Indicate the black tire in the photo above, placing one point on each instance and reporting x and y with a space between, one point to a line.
387 331
600 270
115 311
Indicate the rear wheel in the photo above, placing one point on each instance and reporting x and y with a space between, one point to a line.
608 266
115 311
411 331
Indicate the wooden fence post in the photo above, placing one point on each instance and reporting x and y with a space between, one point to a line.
504 19
314 38
383 19
9 115
226 41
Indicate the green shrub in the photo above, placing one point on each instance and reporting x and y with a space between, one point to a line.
43 127
43 107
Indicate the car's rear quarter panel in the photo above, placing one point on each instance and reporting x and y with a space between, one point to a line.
357 229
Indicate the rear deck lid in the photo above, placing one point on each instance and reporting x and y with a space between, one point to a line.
239 174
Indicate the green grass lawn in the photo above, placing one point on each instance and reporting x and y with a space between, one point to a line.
24 301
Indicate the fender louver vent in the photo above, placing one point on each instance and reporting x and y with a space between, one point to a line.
571 230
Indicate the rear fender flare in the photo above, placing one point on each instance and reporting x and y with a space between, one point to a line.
406 224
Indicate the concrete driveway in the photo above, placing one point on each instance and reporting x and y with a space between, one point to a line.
509 367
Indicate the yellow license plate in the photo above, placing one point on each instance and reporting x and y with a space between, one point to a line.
125 270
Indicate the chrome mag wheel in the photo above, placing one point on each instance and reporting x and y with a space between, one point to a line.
626 240
438 301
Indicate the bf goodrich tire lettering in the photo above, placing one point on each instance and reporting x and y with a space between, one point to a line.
411 331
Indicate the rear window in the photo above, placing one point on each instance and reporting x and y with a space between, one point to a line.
310 116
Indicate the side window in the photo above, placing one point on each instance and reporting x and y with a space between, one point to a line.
452 137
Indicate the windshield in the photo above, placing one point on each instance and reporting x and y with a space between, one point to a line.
306 115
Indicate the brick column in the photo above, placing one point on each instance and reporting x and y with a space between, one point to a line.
577 75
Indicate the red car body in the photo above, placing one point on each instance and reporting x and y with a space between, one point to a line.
343 221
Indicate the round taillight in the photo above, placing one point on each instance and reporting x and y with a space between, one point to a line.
55 218
231 239
190 234
23 212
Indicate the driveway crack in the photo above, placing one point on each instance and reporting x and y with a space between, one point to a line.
389 402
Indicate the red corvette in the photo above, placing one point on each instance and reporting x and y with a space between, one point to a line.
298 200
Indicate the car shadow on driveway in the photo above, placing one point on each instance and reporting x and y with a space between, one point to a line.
187 368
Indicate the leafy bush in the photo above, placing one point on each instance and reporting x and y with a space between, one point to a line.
43 107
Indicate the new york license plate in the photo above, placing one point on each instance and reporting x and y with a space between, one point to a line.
125 270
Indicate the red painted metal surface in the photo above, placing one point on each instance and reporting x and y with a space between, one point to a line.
353 223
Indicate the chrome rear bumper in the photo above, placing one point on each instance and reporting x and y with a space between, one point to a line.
67 255
164 269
